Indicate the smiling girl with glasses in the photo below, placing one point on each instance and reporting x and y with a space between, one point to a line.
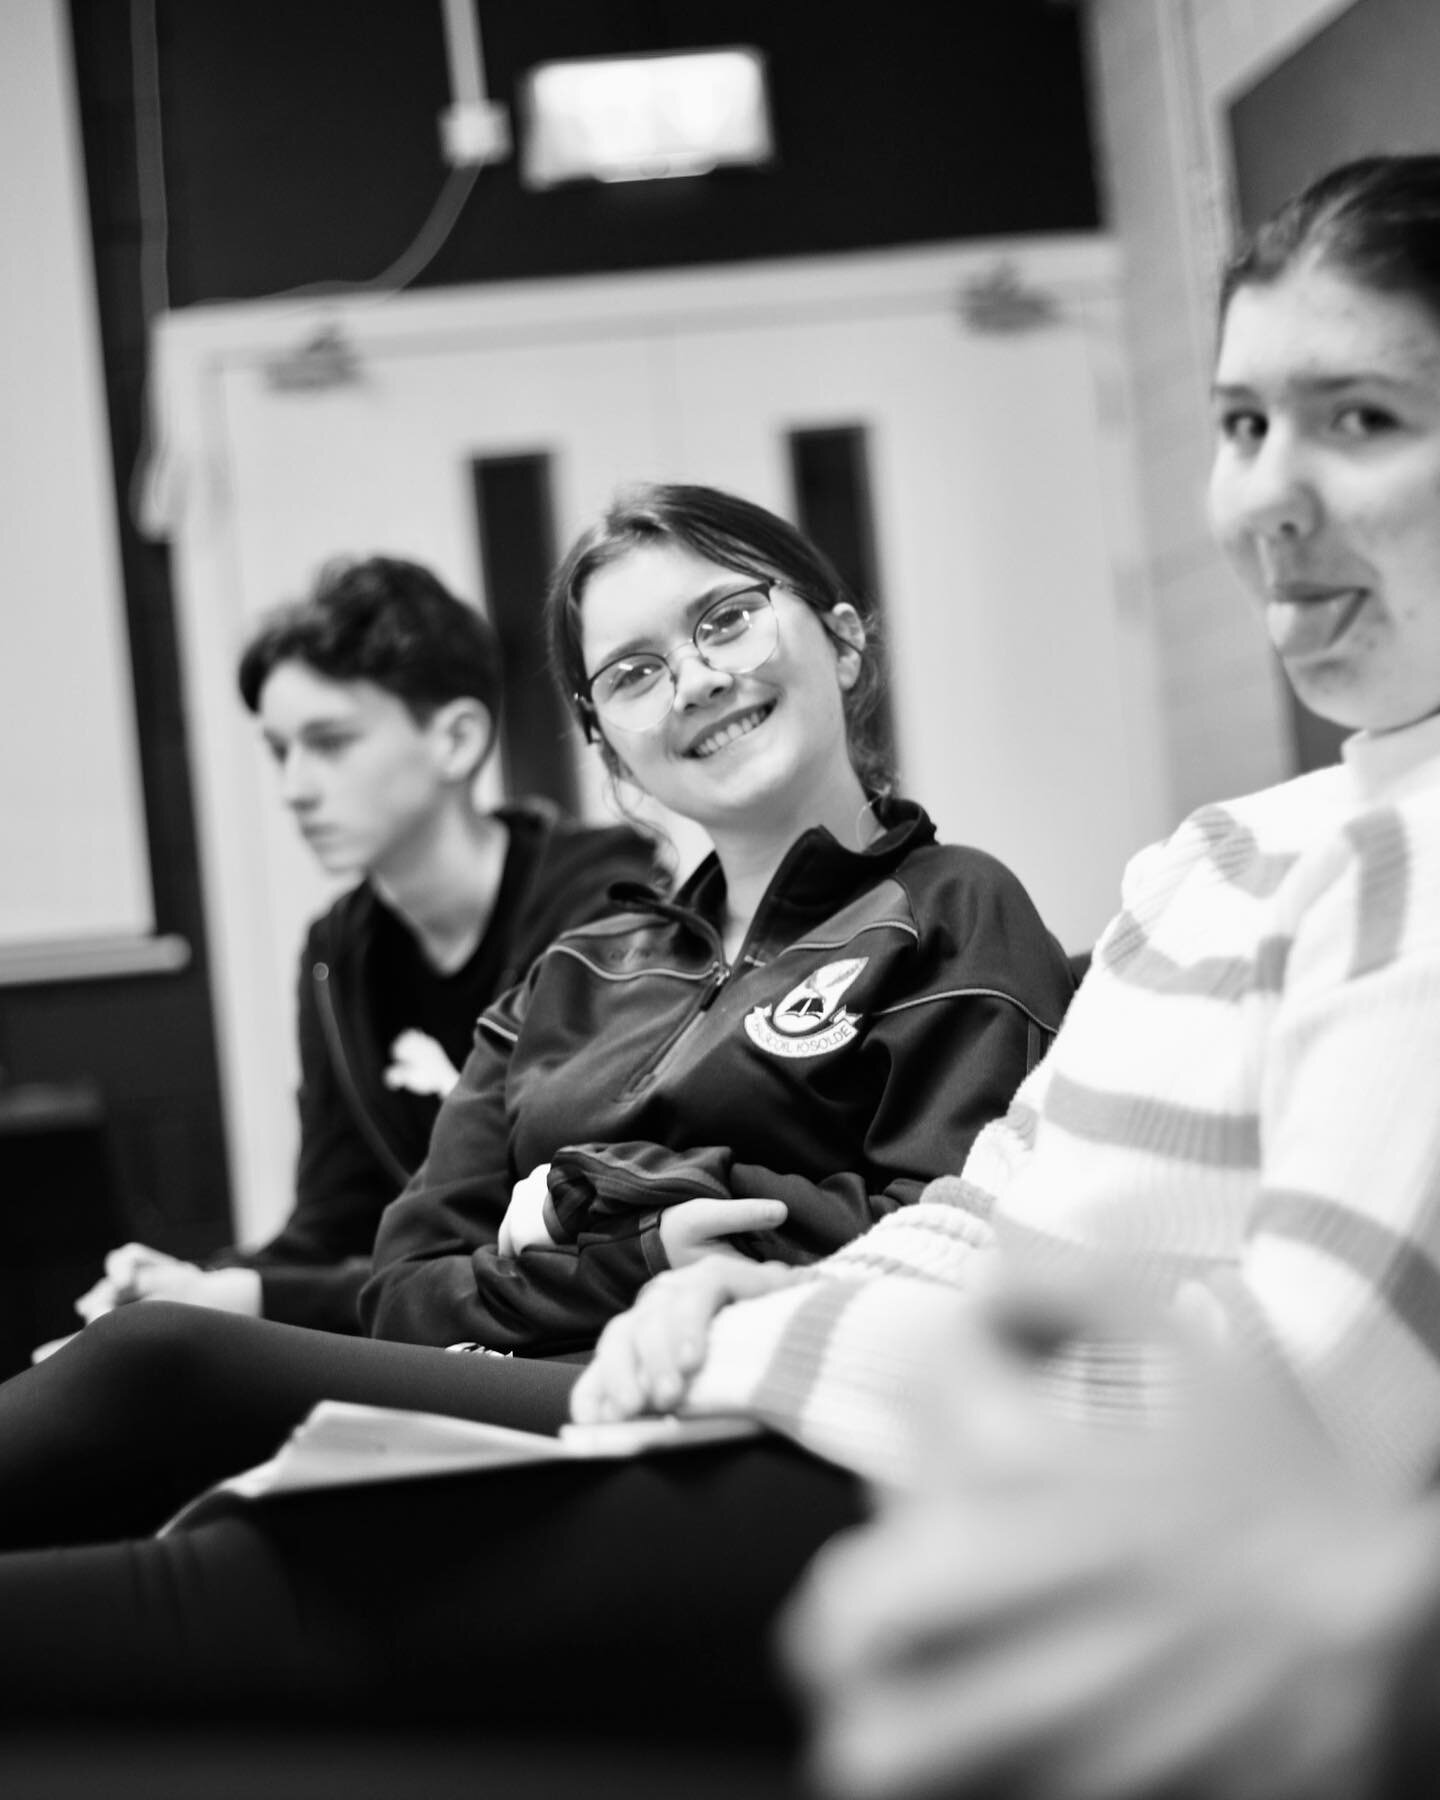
740 1064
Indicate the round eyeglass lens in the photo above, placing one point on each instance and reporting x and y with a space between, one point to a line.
738 633
634 692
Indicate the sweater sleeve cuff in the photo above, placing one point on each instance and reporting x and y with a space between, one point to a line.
845 1369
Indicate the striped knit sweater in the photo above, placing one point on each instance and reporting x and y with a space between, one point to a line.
1241 1112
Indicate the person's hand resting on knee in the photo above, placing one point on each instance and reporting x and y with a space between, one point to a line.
646 1356
136 1272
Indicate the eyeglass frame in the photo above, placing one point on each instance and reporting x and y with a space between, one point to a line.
589 712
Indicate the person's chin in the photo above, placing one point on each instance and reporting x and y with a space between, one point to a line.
336 858
1345 699
746 771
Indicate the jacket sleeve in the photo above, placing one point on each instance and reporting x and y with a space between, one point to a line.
312 1270
324 1297
438 1278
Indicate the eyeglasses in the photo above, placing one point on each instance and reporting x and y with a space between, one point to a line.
735 634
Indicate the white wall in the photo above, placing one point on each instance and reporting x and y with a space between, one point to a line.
74 874
1163 72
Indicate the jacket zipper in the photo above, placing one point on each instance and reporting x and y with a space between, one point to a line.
718 974
670 1052
714 990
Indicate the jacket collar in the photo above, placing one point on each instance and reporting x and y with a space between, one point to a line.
818 874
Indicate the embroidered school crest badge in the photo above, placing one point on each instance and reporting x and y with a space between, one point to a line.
810 1019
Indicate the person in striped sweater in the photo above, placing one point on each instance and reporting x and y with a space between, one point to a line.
1238 1128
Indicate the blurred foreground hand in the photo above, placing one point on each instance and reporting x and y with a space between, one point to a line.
1213 1608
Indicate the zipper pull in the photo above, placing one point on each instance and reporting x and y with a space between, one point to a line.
721 976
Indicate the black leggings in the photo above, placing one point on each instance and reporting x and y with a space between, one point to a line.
154 1402
630 1600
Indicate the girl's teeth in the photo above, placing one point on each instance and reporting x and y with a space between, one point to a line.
735 729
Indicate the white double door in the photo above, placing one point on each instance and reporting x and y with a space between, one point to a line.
998 475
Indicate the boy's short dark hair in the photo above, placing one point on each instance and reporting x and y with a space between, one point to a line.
383 620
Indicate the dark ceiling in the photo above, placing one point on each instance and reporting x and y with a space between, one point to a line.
301 143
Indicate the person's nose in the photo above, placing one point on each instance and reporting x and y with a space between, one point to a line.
297 779
1277 495
696 683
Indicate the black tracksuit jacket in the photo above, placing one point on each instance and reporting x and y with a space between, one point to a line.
883 1008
